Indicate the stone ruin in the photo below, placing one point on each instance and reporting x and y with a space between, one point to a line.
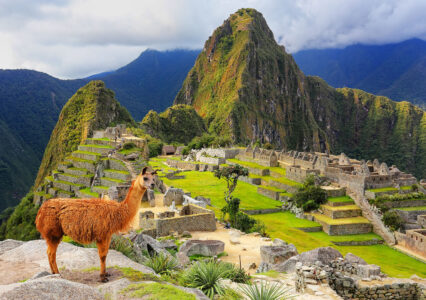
264 157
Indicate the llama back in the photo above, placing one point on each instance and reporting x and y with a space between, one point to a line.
87 220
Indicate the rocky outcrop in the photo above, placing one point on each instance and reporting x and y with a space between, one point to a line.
277 254
205 248
49 287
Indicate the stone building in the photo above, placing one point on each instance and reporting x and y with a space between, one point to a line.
414 240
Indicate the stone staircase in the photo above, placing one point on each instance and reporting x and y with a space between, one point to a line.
88 172
341 218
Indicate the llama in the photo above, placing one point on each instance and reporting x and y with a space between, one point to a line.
88 220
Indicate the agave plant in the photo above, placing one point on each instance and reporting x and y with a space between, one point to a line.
266 291
161 264
207 277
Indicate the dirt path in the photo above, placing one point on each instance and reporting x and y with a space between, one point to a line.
248 249
11 272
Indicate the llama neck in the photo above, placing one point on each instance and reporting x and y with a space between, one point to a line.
130 206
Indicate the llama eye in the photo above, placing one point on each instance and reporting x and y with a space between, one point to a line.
145 178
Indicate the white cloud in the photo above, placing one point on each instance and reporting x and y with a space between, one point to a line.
74 38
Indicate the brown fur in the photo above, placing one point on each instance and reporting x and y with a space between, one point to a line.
88 220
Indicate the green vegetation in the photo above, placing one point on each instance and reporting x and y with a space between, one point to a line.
385 189
266 291
207 276
87 191
310 196
130 150
161 263
283 225
392 220
156 291
341 199
21 223
411 208
81 115
380 202
178 123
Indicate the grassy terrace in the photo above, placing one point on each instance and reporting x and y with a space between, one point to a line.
98 146
282 225
341 199
282 180
411 208
87 191
117 171
354 220
345 207
247 164
98 139
128 151
386 189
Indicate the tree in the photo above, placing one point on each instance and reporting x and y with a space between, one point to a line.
231 175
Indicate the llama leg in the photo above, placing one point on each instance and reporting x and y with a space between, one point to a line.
103 247
52 245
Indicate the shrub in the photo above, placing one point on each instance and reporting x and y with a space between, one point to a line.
266 291
207 277
161 264
236 274
392 220
244 222
268 146
21 223
185 151
125 246
310 196
128 146
155 147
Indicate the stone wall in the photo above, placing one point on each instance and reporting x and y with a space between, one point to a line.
183 165
251 180
211 160
299 174
343 229
221 152
195 218
415 240
421 220
263 211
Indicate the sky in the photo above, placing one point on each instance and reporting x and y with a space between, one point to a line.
77 38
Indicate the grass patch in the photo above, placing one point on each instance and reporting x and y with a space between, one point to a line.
128 151
278 170
246 164
411 208
271 188
116 171
340 199
281 225
98 146
98 139
156 291
354 220
385 189
270 273
87 191
206 185
113 179
287 218
87 152
281 180
339 208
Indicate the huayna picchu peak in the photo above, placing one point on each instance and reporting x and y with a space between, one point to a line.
92 107
246 86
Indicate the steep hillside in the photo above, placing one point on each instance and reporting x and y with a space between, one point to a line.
92 107
30 103
245 85
151 81
179 123
394 70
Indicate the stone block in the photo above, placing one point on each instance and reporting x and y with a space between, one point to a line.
367 271
277 254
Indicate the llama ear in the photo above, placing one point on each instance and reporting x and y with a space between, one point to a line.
144 170
154 172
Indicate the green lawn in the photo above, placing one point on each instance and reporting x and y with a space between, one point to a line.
343 207
341 199
206 185
412 208
247 164
392 262
282 180
386 189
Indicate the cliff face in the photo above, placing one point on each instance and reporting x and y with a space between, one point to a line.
91 108
245 85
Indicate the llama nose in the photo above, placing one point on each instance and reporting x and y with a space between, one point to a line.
152 185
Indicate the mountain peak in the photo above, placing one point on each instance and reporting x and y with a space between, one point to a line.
92 107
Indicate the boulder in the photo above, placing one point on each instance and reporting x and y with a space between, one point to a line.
353 259
206 248
279 242
207 201
168 244
69 256
288 266
366 271
48 287
147 243
173 194
263 267
132 156
323 254
7 245
277 254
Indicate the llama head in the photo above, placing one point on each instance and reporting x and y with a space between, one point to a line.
147 179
